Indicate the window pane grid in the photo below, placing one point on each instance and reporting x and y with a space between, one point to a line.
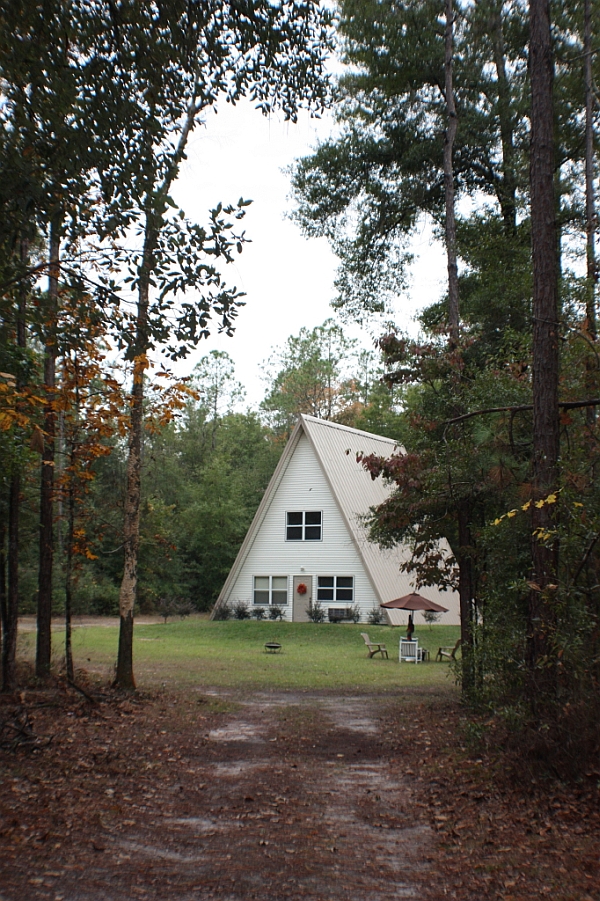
271 590
304 525
335 588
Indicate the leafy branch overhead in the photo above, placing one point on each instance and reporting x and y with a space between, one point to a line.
367 189
184 257
275 54
98 104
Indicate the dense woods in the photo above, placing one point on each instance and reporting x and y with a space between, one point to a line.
122 486
482 118
98 102
204 473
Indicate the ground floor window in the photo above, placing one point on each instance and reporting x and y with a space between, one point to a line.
271 590
335 589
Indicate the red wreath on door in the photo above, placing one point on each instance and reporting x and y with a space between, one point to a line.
301 589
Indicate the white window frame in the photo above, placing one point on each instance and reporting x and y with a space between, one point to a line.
271 590
303 525
335 601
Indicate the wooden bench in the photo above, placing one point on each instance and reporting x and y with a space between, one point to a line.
373 648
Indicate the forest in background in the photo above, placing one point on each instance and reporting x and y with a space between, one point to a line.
481 118
204 474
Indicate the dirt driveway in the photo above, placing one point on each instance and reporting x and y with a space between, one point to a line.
235 796
269 796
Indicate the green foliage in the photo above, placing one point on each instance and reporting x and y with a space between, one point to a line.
320 372
163 72
495 286
221 497
316 612
98 102
355 613
168 607
375 617
213 475
480 464
222 613
380 414
217 389
202 481
307 376
367 189
240 610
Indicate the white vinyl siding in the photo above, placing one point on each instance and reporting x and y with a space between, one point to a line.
319 472
303 487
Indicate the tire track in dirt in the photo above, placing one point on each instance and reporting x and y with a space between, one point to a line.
288 814
288 797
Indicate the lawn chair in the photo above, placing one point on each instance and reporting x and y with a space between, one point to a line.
449 653
373 649
409 650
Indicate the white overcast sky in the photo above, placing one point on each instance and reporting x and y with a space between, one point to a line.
288 279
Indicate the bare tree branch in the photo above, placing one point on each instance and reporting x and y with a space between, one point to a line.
564 405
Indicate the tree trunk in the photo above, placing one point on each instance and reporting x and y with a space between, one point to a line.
10 611
449 179
3 596
507 198
44 606
541 613
590 206
131 529
69 584
465 594
124 677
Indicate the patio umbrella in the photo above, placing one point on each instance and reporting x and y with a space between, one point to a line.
415 601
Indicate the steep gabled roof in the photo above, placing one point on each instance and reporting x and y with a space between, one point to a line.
336 447
354 491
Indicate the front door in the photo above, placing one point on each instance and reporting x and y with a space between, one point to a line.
302 596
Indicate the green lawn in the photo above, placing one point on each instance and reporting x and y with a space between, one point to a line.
232 654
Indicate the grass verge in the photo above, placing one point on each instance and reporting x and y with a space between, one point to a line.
232 654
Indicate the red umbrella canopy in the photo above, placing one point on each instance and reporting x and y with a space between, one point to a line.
415 601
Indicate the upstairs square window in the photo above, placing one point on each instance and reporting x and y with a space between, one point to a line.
304 525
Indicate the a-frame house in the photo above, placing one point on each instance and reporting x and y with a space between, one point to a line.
308 540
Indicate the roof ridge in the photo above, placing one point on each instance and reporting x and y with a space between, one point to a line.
346 428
